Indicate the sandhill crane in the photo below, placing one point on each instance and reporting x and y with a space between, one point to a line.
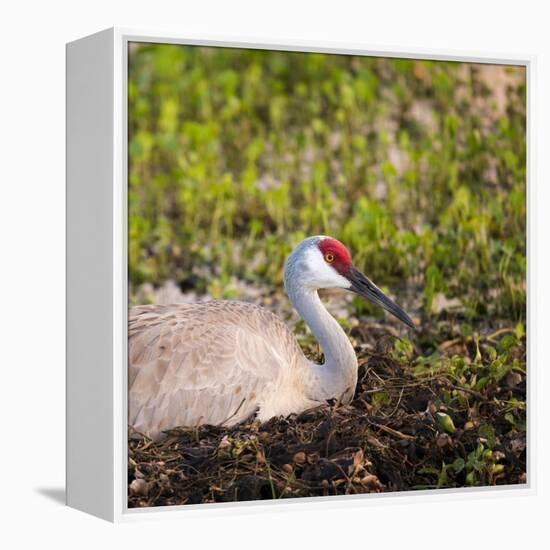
219 362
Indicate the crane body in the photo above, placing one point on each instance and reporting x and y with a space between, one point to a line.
220 362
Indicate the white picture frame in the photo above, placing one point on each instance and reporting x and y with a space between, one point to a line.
96 172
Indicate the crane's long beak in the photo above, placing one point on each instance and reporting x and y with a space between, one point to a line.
363 286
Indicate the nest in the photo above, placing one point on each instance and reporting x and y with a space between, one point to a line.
389 438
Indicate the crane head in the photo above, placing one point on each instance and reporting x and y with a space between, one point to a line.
324 262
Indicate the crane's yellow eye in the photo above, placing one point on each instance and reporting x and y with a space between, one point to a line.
329 257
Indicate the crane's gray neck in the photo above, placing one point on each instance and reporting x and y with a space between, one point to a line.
337 377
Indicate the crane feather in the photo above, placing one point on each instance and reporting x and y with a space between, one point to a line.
209 363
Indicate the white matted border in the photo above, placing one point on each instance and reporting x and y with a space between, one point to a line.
122 38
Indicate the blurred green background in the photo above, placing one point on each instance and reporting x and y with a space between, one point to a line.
418 167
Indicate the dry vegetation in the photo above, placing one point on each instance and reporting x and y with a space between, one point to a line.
399 433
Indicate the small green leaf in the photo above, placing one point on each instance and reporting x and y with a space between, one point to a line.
458 465
446 422
487 432
510 418
380 399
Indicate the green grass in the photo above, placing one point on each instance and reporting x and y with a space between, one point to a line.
236 155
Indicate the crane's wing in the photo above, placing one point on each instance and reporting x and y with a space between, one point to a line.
207 363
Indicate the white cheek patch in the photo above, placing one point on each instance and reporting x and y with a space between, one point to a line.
320 274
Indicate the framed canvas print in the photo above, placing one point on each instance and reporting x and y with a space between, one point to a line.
296 274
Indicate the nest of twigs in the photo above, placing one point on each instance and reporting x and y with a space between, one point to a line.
390 438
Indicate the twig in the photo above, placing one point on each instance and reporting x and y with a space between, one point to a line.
391 431
398 403
234 414
468 390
